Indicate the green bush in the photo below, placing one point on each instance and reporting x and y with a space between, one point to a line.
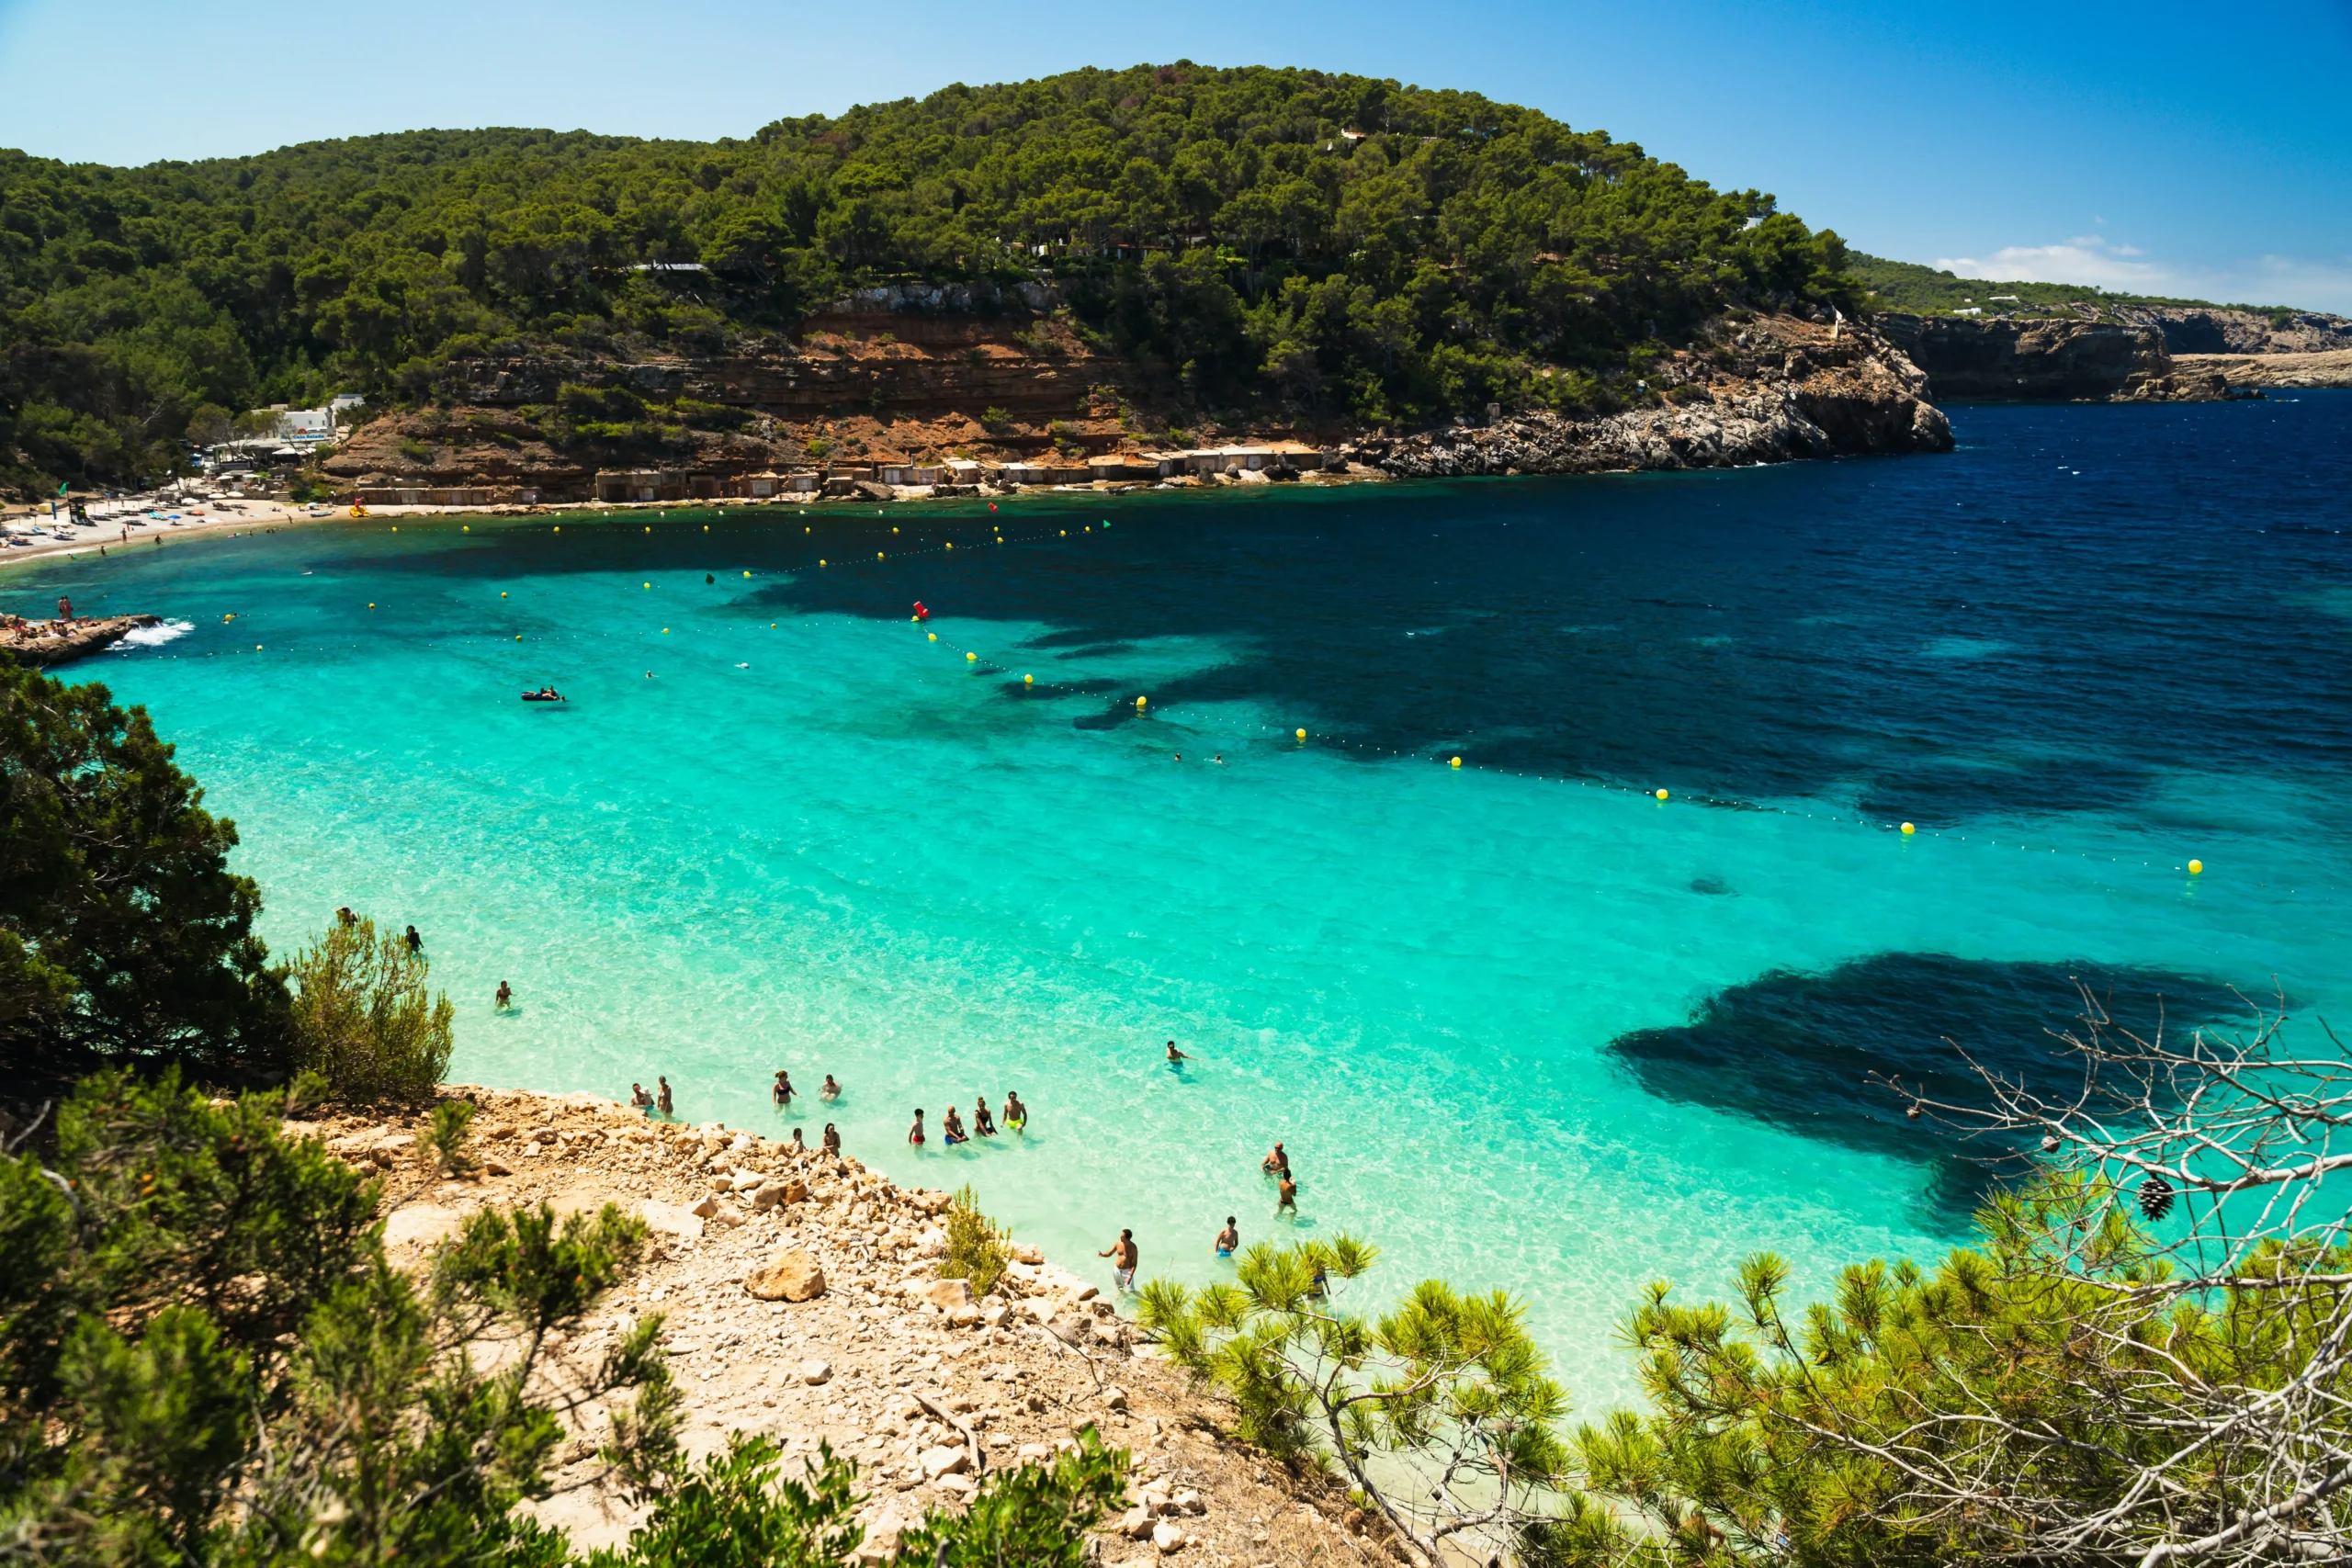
363 1020
995 420
977 1250
598 404
444 1138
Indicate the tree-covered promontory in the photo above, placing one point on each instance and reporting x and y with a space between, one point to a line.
1250 239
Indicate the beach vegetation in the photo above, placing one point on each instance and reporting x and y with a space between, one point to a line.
2141 1360
365 1019
444 1138
1441 1415
124 936
977 1247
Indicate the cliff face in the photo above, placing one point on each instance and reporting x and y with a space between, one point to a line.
2330 369
2200 329
2003 359
1768 393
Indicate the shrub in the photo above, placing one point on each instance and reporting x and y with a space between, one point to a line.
363 1020
445 1140
598 404
976 1249
995 420
818 447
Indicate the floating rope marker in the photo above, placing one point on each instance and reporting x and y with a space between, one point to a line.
878 555
934 637
971 658
747 574
1302 735
2196 868
1028 680
1661 794
1141 700
821 563
1456 762
1908 829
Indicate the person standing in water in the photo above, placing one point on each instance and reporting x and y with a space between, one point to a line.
1275 1164
639 1098
1016 1115
983 1125
1123 1255
1289 1196
832 1089
1174 1055
506 995
914 1134
662 1100
951 1127
415 943
781 1092
1228 1240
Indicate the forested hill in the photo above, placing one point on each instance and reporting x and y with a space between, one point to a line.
1250 239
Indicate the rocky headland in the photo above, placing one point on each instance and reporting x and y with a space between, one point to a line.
2332 368
2048 359
802 1299
43 643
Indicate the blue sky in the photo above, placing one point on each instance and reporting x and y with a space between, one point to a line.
2200 151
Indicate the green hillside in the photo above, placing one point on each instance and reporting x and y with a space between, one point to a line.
1907 286
1251 240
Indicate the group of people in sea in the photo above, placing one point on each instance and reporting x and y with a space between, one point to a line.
952 1130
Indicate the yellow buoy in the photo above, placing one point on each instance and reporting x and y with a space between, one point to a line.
2196 868
649 527
706 527
747 574
1456 762
951 543
1028 680
665 631
465 528
934 637
1142 701
558 527
971 658
1302 735
1661 794
371 603
519 637
1908 829
396 528
256 648
821 562
894 527
878 555
1065 532
502 594
649 585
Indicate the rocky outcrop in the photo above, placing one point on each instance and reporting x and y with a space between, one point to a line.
2250 370
2192 329
2008 359
43 643
1769 391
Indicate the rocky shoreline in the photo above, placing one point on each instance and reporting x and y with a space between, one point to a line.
802 1299
44 643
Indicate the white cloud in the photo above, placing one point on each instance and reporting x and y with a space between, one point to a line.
2306 282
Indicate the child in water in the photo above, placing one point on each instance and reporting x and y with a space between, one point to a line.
914 1134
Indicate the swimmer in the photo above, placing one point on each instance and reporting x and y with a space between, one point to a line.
506 994
1277 1163
1016 1115
832 1089
343 917
1220 759
1176 1056
1180 756
1228 1240
983 1125
1289 1195
914 1134
415 943
1122 1256
832 1144
781 1091
662 1101
639 1098
951 1128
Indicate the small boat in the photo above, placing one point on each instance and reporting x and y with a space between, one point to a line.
549 695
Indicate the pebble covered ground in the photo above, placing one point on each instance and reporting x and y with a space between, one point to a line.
801 1299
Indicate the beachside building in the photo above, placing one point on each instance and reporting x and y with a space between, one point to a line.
305 427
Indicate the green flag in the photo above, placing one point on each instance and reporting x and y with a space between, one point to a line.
61 487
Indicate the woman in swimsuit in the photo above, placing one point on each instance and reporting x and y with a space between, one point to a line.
781 1092
983 1125
833 1140
832 1089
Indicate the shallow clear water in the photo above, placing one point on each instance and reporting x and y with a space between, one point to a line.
1519 1023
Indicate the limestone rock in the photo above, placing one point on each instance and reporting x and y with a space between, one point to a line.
948 1294
705 1209
672 1218
794 1276
815 1373
1167 1537
1135 1523
944 1460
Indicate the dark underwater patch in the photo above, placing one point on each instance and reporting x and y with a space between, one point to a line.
1805 1052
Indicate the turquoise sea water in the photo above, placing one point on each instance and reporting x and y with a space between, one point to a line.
1520 1023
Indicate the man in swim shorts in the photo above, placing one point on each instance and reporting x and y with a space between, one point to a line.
951 1128
1275 1164
1016 1115
1228 1240
1176 1056
914 1134
1123 1255
639 1098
